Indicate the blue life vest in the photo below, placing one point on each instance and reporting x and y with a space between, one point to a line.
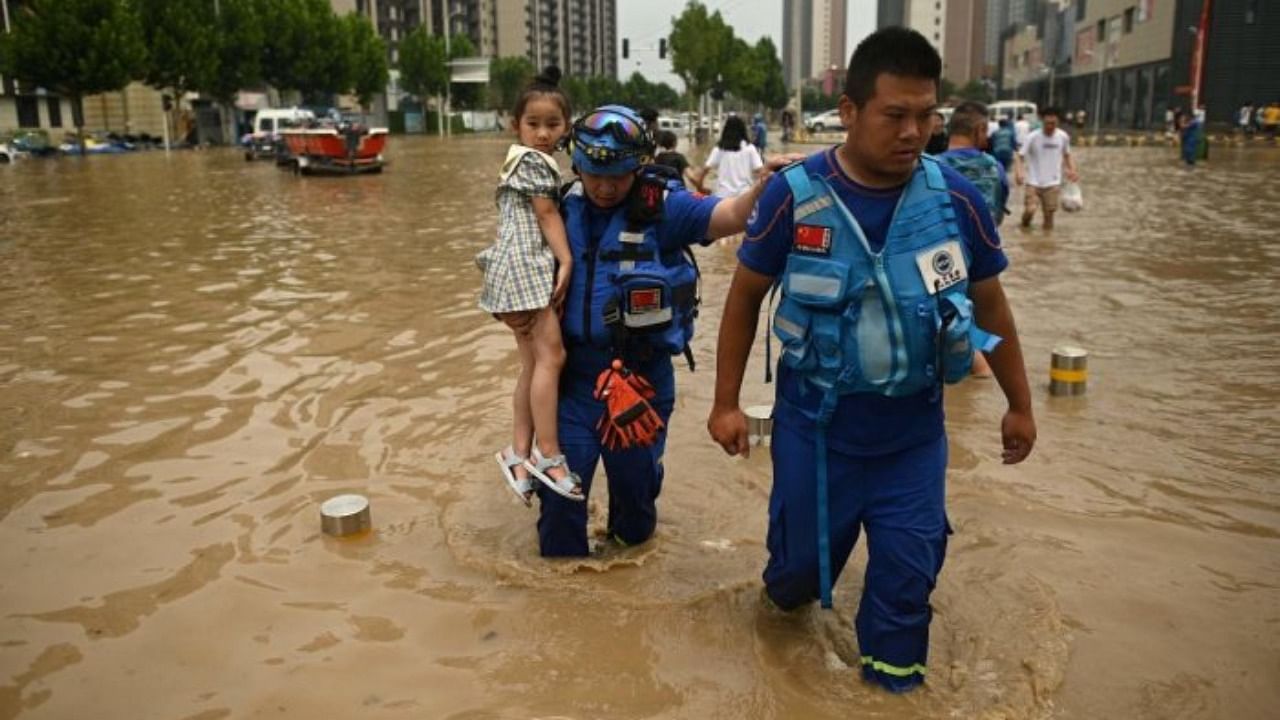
893 322
627 295
984 172
1002 142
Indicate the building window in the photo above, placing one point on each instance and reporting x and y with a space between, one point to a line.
1081 9
55 111
28 111
1250 12
1128 20
1102 30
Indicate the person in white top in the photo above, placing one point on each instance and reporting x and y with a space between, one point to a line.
735 160
1021 129
1040 163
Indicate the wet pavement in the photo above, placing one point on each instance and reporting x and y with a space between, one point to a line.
196 351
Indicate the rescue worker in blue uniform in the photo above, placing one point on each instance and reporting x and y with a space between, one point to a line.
632 297
886 263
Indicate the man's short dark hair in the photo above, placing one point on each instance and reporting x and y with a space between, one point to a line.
1050 111
650 117
893 50
967 117
666 139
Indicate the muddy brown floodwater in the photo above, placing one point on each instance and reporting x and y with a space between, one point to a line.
196 351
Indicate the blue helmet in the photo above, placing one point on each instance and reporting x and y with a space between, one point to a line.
610 140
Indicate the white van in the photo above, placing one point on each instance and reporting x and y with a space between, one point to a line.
1011 109
272 120
267 124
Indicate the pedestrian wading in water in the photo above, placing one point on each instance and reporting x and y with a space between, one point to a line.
887 263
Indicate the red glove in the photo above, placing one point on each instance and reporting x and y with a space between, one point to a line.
629 420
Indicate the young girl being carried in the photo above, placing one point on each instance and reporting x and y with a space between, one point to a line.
526 273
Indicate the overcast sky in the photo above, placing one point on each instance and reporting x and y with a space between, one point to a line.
644 21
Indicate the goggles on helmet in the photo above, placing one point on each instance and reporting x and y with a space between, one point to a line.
621 126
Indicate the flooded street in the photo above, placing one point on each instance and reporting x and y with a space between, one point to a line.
196 351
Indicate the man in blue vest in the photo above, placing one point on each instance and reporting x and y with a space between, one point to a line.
632 297
887 266
966 138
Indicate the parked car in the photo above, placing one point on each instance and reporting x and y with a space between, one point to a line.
7 154
823 121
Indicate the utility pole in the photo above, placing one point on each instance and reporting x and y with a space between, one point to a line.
1097 102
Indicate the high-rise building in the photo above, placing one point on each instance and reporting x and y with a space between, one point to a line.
579 36
929 18
964 41
813 39
890 13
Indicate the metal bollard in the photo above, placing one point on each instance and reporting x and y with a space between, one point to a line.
1069 370
759 423
345 515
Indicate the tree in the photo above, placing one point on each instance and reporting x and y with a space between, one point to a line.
975 90
507 77
368 59
812 99
306 48
773 90
240 44
75 48
702 47
423 71
182 44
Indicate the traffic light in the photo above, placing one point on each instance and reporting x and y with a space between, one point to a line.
626 48
662 47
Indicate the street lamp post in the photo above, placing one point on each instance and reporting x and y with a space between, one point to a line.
1097 102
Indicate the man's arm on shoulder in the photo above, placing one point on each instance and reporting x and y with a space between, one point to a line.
731 215
727 424
992 313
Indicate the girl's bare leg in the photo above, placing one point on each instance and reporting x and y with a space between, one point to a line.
522 414
544 390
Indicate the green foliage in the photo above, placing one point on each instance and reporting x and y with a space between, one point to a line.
702 48
75 47
975 90
812 99
306 48
946 90
507 77
240 39
182 44
369 73
422 64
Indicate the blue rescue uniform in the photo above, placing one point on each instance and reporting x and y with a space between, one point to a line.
635 474
886 452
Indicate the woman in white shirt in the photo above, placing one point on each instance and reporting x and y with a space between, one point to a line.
735 160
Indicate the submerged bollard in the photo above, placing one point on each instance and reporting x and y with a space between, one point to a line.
345 515
759 423
1069 370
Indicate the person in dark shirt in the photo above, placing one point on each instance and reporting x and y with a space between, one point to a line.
667 154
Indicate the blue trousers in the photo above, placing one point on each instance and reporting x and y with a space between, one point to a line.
635 475
900 500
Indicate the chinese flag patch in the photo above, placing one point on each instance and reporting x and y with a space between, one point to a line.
646 300
813 239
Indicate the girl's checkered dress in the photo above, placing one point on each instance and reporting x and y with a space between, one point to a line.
519 268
